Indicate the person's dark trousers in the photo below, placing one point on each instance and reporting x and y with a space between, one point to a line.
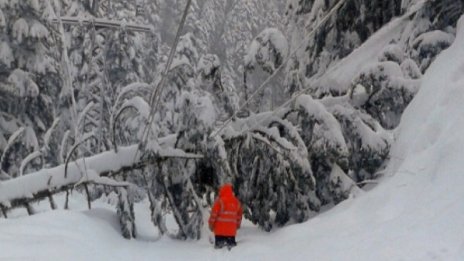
222 241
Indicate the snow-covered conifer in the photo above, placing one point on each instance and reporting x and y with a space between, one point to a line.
389 92
29 79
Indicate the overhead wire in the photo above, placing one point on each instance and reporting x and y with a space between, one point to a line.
156 94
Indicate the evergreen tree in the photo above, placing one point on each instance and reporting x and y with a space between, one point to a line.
29 79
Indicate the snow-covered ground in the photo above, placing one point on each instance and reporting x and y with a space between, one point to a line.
415 213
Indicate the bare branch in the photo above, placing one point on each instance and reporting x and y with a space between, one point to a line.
103 23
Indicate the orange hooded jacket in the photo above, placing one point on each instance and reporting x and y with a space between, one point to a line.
226 214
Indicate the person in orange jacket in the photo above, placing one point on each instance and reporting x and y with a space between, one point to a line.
225 218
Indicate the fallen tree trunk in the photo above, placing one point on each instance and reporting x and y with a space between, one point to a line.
96 169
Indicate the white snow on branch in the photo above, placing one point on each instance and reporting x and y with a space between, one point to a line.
133 87
84 114
38 30
25 86
328 129
51 179
269 49
27 160
91 176
20 29
138 103
6 54
433 38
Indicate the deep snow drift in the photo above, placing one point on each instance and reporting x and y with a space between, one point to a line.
415 213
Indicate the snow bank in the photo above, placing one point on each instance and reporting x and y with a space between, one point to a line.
440 105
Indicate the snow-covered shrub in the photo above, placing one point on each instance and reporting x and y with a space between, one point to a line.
393 53
388 92
323 132
410 69
428 45
367 141
323 135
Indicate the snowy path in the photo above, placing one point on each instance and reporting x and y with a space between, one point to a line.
384 224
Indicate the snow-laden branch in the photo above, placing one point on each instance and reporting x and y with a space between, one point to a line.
28 159
16 135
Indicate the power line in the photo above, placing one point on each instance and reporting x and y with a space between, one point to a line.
156 94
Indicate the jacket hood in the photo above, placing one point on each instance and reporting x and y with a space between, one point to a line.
226 190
